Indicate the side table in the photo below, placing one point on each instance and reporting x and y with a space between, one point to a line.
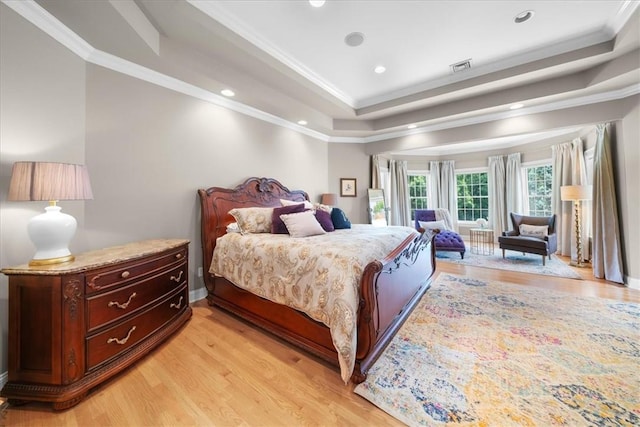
481 241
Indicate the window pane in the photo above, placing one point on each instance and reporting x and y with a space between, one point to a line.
539 186
418 192
472 191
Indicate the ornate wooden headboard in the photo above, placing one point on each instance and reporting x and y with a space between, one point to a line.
216 202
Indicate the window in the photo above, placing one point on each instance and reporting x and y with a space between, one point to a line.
418 191
473 196
539 189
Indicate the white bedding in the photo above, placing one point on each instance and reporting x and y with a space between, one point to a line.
317 275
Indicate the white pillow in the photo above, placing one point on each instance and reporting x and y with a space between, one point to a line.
432 225
320 206
307 204
534 230
302 224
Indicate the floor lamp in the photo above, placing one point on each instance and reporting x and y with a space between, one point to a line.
576 194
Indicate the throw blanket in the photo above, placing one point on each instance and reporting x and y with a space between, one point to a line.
318 275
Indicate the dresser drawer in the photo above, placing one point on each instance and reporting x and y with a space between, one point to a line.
109 344
103 279
108 307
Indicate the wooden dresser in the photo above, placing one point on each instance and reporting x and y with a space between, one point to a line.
74 325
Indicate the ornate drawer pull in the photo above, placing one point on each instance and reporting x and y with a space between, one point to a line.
122 306
178 256
177 279
124 340
178 305
125 274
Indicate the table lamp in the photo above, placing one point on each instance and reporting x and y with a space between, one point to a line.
576 194
329 199
51 231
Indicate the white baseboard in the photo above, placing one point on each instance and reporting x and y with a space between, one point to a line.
633 283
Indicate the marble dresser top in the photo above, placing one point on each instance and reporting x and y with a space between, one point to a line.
100 257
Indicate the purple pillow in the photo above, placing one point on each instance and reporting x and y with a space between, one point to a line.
277 225
324 218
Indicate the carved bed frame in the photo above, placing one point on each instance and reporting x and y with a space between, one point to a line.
389 289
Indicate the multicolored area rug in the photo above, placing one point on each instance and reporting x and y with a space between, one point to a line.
514 261
478 353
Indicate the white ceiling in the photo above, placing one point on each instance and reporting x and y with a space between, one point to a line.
287 61
416 41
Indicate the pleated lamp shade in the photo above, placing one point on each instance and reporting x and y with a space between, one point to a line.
51 231
329 199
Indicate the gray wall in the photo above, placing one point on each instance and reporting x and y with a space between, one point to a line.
148 150
42 117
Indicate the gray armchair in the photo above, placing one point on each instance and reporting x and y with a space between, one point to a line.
542 245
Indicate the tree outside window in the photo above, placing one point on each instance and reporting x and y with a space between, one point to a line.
473 196
539 181
418 191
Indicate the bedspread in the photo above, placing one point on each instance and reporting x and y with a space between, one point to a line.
318 275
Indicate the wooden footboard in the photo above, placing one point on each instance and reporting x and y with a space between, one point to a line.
390 287
389 290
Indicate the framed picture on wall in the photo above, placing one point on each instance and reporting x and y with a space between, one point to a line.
348 187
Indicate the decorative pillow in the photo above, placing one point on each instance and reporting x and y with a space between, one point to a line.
433 225
339 219
324 218
307 204
277 225
253 220
233 228
302 224
320 206
534 230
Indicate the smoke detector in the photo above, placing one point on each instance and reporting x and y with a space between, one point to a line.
461 66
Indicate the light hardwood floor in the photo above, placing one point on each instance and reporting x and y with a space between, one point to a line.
220 371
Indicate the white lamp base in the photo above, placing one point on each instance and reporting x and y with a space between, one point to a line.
51 233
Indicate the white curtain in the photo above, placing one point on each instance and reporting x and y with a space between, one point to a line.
515 190
496 186
376 177
568 169
607 255
434 184
399 198
447 198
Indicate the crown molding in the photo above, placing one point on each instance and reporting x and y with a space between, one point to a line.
217 13
552 106
42 19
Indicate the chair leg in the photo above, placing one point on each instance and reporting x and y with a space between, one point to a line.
503 254
544 258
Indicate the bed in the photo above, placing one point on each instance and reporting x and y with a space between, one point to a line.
388 289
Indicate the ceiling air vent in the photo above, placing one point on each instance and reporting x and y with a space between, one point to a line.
461 66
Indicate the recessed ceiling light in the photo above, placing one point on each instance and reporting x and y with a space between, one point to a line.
316 3
302 122
354 39
227 92
380 69
412 126
523 16
516 106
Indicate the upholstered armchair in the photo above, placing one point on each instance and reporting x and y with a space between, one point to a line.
440 219
531 234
